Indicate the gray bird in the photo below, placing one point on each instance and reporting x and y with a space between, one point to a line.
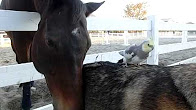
137 54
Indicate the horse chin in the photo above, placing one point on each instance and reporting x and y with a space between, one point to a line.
65 87
64 79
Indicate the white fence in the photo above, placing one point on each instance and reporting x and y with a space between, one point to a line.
4 40
25 21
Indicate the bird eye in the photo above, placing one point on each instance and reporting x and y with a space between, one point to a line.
148 44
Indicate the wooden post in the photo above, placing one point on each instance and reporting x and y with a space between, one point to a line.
184 36
126 38
153 58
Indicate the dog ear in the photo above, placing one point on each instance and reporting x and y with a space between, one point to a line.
91 7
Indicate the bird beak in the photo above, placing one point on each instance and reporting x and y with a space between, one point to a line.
152 46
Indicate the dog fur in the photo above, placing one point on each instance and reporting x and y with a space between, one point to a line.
110 86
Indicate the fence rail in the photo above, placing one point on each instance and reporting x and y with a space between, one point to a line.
18 20
176 47
28 21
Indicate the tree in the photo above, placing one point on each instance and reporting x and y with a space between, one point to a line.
137 10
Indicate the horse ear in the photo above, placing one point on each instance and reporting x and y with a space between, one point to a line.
91 7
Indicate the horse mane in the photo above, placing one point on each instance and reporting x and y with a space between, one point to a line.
76 6
3 5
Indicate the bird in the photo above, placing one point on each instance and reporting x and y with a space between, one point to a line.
135 54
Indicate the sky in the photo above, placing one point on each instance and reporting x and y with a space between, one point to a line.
179 10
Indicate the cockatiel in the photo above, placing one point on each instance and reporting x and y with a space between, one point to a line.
136 54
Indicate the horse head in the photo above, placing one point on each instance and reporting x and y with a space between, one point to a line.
59 48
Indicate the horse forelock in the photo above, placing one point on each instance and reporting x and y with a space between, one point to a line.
78 10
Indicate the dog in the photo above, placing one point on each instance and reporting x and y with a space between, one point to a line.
110 86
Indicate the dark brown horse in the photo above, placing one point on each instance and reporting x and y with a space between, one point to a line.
21 43
58 47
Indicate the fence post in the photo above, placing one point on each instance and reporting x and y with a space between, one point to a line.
153 58
126 38
184 36
2 40
90 35
107 37
102 36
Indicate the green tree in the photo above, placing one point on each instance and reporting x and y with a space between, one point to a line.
137 10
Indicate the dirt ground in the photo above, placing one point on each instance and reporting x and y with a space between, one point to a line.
10 97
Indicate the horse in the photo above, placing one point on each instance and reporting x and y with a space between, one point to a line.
21 43
57 48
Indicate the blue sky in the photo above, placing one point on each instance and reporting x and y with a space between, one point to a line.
179 10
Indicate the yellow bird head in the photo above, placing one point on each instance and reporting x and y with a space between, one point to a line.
148 46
